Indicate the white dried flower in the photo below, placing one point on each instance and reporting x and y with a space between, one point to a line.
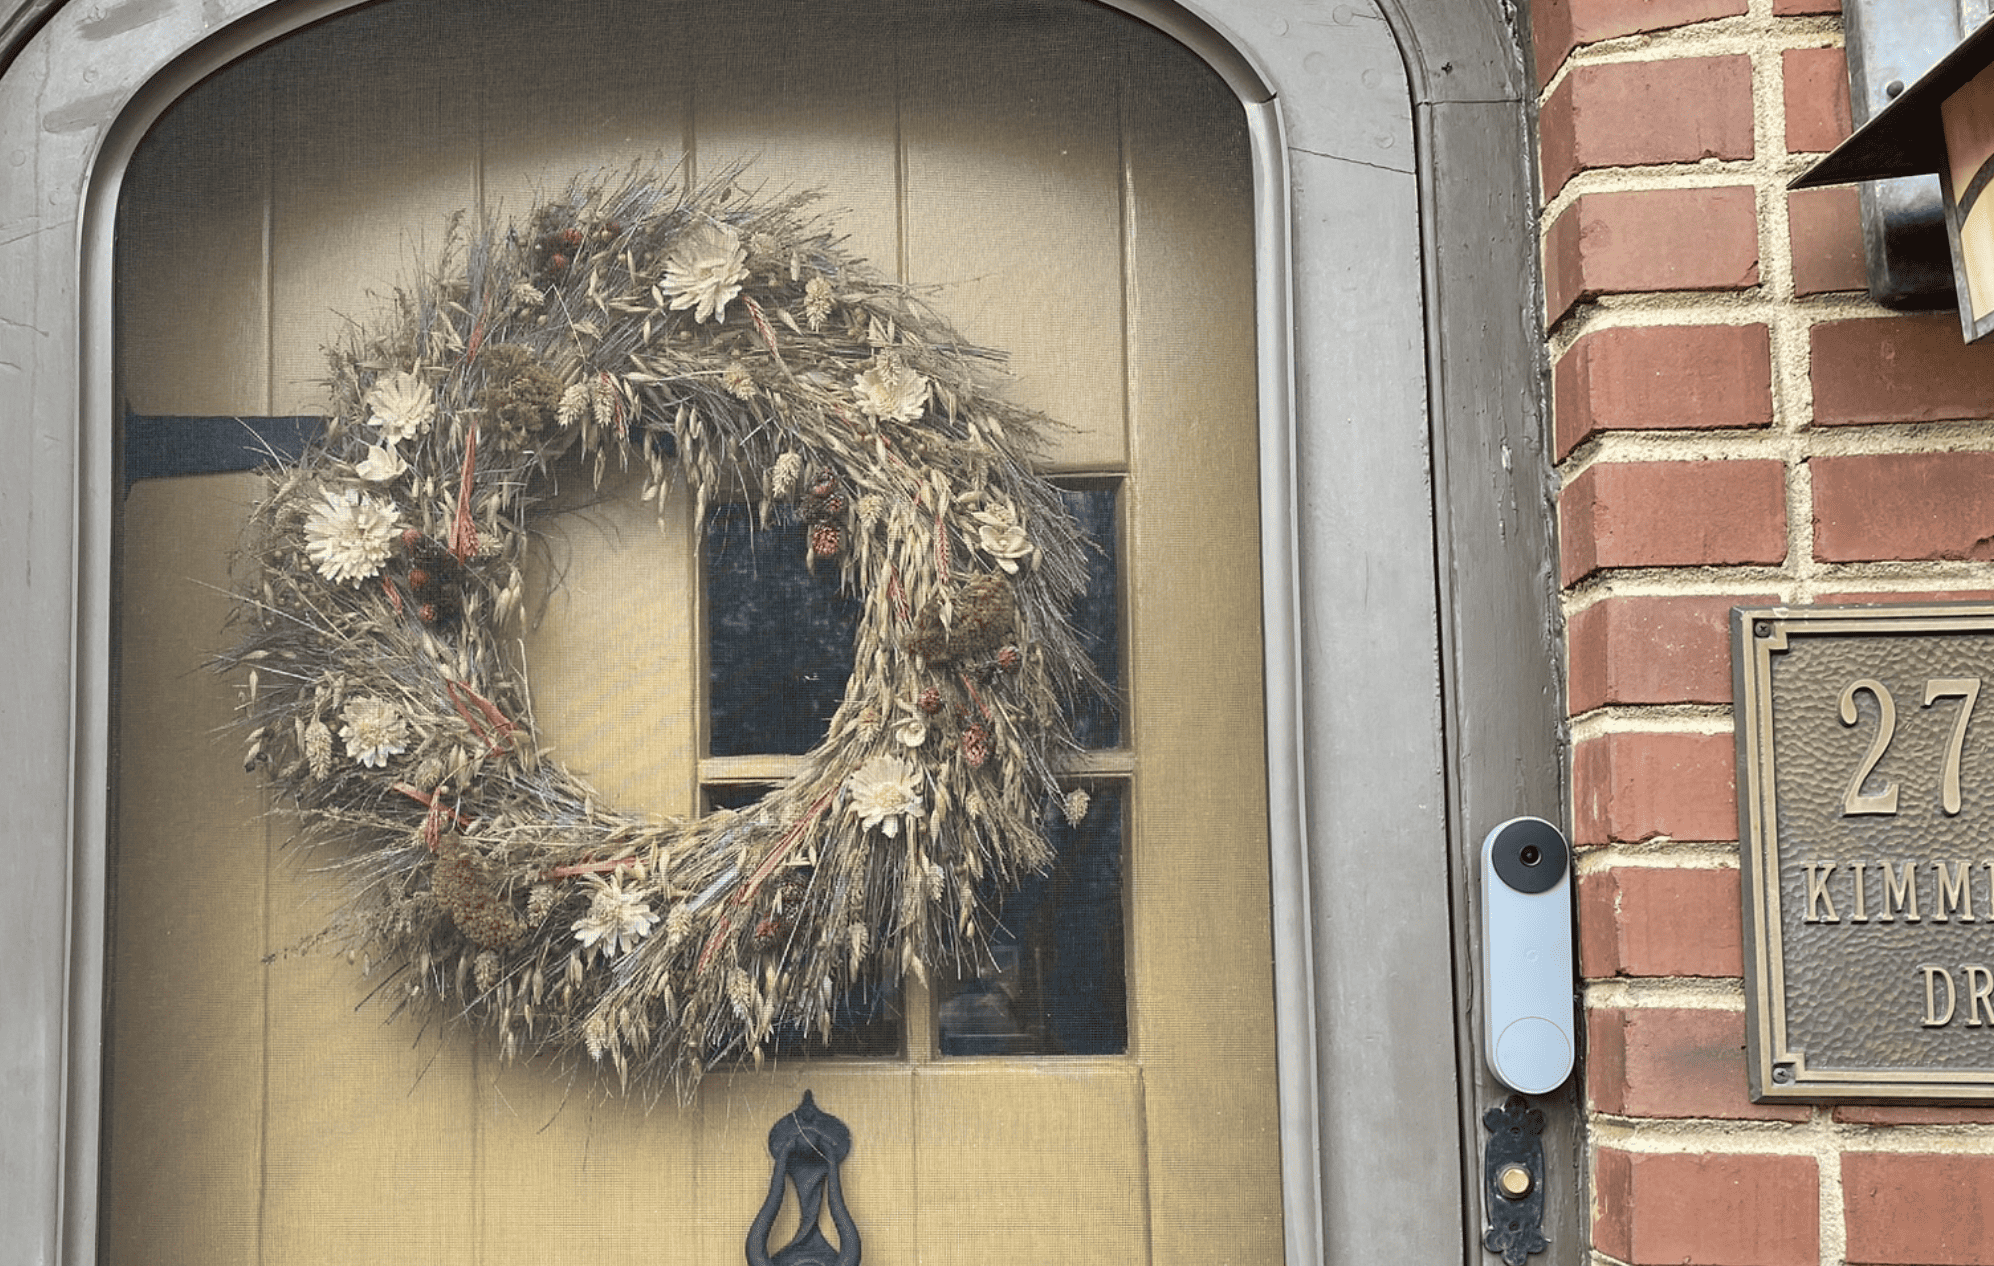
887 389
382 463
1001 535
350 537
575 404
373 731
883 790
816 302
912 727
1074 806
704 270
616 920
402 405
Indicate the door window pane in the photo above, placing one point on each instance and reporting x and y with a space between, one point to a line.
1054 984
780 635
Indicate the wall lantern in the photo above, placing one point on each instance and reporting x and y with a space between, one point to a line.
1943 123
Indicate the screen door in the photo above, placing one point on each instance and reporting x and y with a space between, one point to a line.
1075 187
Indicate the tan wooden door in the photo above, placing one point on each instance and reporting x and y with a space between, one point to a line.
1078 187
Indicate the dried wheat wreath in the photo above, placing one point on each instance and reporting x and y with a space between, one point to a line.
729 342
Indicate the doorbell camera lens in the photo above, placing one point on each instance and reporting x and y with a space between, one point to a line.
1529 855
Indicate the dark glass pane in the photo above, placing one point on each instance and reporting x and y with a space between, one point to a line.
780 637
1097 722
865 1021
1055 984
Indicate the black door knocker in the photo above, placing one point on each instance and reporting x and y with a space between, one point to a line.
808 1145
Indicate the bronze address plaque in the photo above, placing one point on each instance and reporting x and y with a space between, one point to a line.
1866 810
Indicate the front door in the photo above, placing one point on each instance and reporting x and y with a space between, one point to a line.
1076 187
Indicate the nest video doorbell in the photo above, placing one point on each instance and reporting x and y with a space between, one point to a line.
1527 955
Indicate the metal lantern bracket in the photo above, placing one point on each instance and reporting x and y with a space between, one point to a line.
1890 43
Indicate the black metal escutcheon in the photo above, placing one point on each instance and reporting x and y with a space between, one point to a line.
1516 1222
808 1145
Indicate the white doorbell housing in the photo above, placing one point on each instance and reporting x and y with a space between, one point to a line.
1527 955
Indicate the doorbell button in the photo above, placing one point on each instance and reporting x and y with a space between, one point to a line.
1527 955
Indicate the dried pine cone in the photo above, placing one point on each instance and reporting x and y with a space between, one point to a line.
824 503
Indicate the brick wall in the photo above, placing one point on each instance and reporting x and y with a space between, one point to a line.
1734 423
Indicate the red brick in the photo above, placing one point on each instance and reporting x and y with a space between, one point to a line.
1653 239
1673 1062
1652 650
1707 1209
1899 369
1876 1114
1663 377
1921 1210
1659 921
1636 786
1817 99
1627 114
1559 26
1824 228
1672 514
1903 505
1788 8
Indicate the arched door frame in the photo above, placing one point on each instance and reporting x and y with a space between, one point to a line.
1413 662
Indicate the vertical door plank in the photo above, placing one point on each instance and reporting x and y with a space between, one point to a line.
370 1149
375 135
187 993
371 1146
1201 950
611 651
576 89
802 97
612 659
571 1166
186 1016
192 312
1030 1164
1013 201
